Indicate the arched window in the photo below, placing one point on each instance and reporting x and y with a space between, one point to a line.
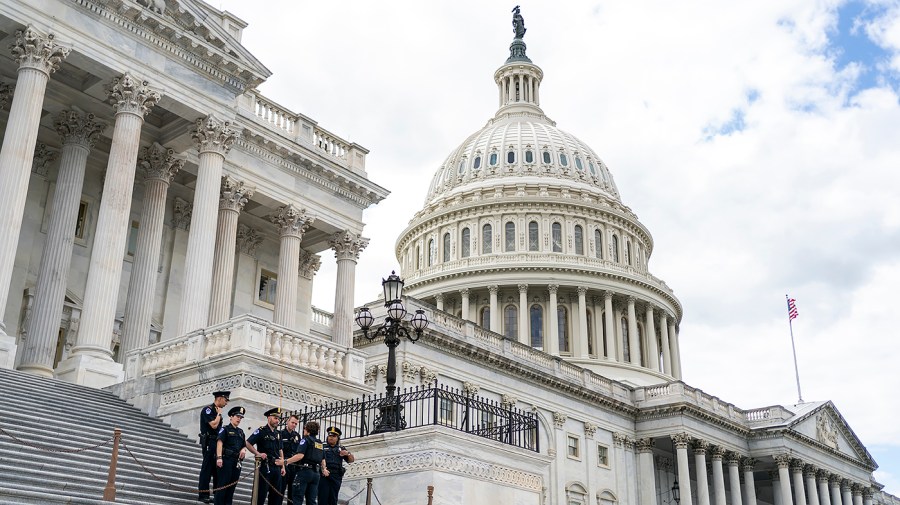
511 322
640 339
485 318
431 252
626 348
537 326
510 242
477 163
628 252
446 247
562 323
557 237
533 239
603 335
598 243
579 240
545 156
418 256
486 239
615 248
466 243
590 333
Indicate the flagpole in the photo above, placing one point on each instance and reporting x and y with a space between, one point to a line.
794 348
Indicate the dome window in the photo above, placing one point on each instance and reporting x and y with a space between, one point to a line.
537 326
477 163
579 240
529 156
462 166
563 159
493 159
533 243
546 157
511 157
592 169
466 243
556 232
578 164
446 247
510 243
487 239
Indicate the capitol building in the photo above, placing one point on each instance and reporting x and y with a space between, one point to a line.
165 224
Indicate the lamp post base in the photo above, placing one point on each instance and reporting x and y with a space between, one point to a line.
390 418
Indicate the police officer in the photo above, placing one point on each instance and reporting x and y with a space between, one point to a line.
230 447
210 422
289 440
310 460
268 449
335 455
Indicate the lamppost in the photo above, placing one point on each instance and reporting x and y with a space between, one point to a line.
676 493
391 414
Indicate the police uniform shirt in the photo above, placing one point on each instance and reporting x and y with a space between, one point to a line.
208 415
333 458
313 451
232 439
267 441
289 441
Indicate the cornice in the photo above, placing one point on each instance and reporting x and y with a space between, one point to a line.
680 409
870 466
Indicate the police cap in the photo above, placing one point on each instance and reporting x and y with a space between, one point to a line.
333 430
273 412
225 394
237 411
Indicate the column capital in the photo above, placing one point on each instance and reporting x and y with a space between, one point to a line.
747 464
523 288
619 439
590 429
717 452
797 466
732 458
822 476
868 492
856 488
33 49
464 292
607 295
681 440
631 300
582 290
809 471
78 128
234 194
559 419
783 460
159 163
439 297
845 485
700 446
248 239
130 95
181 216
834 479
508 401
43 157
493 289
553 288
309 264
214 135
644 445
291 221
650 308
347 245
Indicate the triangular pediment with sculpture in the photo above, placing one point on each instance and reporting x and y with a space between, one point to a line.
824 425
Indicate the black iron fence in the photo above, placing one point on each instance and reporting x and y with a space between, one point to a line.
427 406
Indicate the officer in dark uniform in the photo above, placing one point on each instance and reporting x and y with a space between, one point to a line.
230 447
268 448
289 440
210 422
335 455
310 460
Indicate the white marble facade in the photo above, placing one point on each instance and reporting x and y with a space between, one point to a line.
169 222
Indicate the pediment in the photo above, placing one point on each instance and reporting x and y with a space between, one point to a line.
825 425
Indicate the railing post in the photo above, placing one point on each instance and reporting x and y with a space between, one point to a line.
109 492
436 398
369 491
253 496
430 494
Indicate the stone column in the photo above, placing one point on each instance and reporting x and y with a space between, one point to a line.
812 492
160 166
610 334
797 475
524 335
464 294
292 223
78 132
776 488
647 476
174 280
439 301
91 360
732 460
868 496
681 441
676 352
495 319
233 195
747 465
784 462
718 475
214 139
652 346
700 447
664 337
835 482
347 246
581 349
846 489
38 56
633 340
552 344
857 494
824 496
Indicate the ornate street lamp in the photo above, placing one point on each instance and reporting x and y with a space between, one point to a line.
393 328
676 492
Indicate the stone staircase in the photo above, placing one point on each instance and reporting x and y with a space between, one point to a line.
53 414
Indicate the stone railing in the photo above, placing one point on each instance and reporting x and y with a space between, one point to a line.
248 334
322 317
767 415
679 392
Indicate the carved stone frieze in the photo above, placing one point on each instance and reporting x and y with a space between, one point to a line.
44 156
291 221
826 430
309 264
78 128
33 49
181 217
214 135
248 239
130 95
159 162
347 245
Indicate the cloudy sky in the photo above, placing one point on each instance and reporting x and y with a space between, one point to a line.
758 141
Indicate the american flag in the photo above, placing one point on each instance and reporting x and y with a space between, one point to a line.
792 309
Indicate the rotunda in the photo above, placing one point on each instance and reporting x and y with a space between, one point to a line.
524 233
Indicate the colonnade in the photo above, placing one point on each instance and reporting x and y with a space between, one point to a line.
217 203
601 324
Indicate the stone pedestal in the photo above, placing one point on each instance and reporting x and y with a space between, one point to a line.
90 370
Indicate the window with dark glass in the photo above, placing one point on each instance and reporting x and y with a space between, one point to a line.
578 164
590 333
563 159
462 166
579 240
598 243
626 346
477 163
486 239
466 245
562 323
537 326
533 240
529 156
640 339
493 159
557 237
81 221
511 322
615 248
628 252
510 242
591 168
486 318
418 256
546 157
446 247
511 157
431 252
268 285
603 336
